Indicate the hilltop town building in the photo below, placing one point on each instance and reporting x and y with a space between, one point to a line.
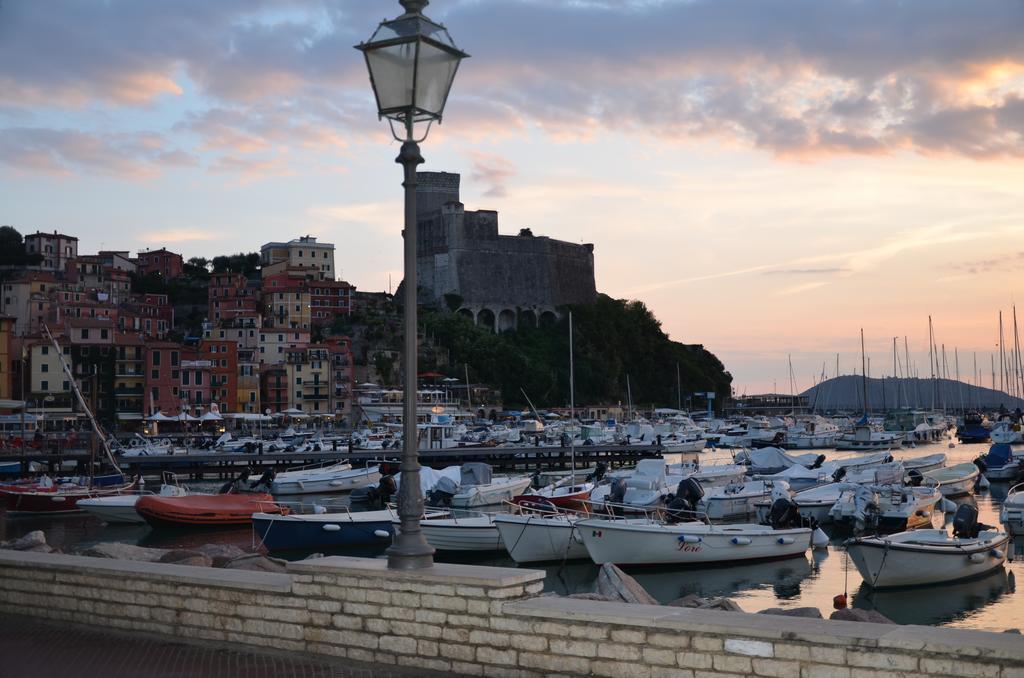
497 280
304 252
56 249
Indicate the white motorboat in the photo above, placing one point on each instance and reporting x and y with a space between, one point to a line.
642 489
866 439
887 508
738 500
120 508
769 460
540 537
1006 432
339 477
816 502
954 481
1012 513
926 463
478 488
473 532
922 557
644 541
999 463
708 475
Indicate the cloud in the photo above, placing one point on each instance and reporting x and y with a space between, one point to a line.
385 216
179 235
799 79
493 171
131 155
1001 263
805 271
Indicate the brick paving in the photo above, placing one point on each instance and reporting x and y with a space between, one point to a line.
31 648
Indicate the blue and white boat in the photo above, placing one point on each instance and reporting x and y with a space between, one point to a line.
298 531
973 429
306 531
999 463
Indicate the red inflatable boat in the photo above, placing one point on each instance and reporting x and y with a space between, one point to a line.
205 510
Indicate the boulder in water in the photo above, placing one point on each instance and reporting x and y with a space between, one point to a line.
617 585
852 614
33 541
256 563
119 551
221 554
696 602
182 557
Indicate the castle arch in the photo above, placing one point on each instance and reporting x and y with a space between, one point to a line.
506 320
485 318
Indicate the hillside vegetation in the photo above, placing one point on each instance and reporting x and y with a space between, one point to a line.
613 338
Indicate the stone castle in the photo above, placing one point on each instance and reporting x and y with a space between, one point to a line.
499 281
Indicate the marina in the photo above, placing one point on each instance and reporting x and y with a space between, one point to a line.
811 578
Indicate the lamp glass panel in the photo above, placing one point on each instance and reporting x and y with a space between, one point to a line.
392 70
436 72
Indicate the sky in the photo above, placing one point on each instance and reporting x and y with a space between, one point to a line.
768 176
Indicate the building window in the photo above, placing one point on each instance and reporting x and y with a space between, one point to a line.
199 378
298 394
156 358
104 334
67 386
85 334
44 367
185 378
44 385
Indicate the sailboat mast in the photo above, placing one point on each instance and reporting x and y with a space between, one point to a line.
572 406
97 431
959 384
906 362
1019 379
864 372
1002 357
931 356
679 390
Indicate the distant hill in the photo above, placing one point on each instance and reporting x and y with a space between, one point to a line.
846 393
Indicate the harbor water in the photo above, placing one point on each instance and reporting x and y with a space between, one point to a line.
990 603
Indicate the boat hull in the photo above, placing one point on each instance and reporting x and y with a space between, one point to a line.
342 483
633 543
461 534
538 539
27 502
901 565
304 532
198 511
490 494
118 509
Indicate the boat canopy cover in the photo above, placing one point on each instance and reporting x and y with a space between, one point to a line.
770 458
998 455
430 477
476 473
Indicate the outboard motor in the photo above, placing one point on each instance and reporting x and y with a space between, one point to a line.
598 473
441 494
784 514
690 490
616 496
914 478
264 482
980 463
818 462
965 522
838 476
374 497
233 485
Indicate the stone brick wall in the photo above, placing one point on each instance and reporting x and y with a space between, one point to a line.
478 621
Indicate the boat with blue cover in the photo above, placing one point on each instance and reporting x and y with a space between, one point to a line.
305 531
999 463
973 430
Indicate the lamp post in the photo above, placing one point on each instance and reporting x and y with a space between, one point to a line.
412 62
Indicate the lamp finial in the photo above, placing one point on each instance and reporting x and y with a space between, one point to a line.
414 6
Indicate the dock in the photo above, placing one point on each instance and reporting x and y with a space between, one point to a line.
223 465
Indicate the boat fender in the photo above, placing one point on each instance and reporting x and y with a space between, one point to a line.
976 557
996 553
383 534
740 541
331 527
689 539
983 483
922 513
819 539
786 540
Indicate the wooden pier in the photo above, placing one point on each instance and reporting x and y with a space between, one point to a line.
223 465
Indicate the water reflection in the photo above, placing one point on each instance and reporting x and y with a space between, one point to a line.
783 577
939 604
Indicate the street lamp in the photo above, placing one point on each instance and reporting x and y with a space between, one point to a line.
412 62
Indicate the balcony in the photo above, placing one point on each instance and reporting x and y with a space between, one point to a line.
128 391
